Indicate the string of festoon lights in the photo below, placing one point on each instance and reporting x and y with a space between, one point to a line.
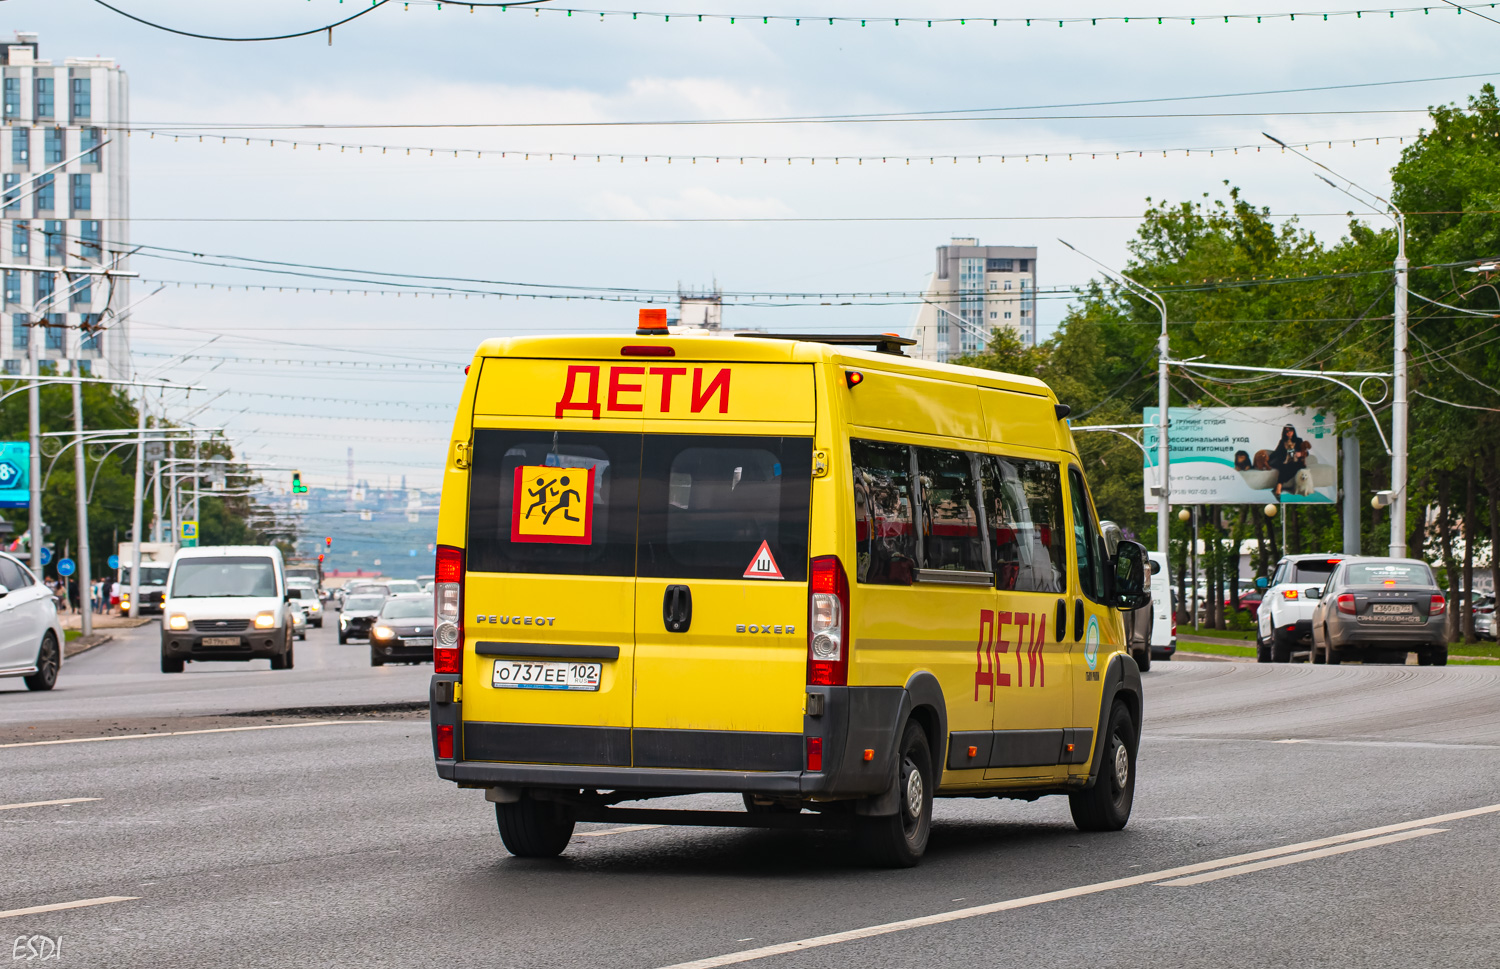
798 20
893 158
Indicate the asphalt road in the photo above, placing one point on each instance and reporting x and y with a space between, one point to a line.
123 678
336 845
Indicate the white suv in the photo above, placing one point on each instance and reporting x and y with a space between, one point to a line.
31 638
1284 622
227 602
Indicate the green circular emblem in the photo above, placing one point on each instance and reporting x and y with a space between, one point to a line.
1091 643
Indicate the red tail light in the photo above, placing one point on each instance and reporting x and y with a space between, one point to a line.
447 620
814 753
1346 604
1439 606
445 741
827 625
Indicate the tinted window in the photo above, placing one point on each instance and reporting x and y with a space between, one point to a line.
363 603
1394 574
885 540
12 576
1024 505
708 504
1280 575
610 511
951 537
228 576
1087 543
407 609
1315 570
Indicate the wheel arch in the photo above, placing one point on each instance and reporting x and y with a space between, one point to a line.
1122 682
924 703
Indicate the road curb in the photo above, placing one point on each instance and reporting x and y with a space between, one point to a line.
347 710
80 646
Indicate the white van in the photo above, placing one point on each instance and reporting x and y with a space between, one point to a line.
227 602
1164 624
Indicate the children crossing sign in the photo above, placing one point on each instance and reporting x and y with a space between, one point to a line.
553 505
189 534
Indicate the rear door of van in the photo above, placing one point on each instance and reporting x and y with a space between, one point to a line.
549 591
722 561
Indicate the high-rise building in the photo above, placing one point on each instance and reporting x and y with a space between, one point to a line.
66 124
974 291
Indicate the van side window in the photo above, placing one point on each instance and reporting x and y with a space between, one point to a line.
885 540
1086 540
1024 506
951 537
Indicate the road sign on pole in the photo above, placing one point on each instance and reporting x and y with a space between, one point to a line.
113 561
65 567
189 534
46 555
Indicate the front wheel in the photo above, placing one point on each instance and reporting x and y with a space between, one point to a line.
171 665
1106 805
48 662
342 638
899 840
376 660
534 829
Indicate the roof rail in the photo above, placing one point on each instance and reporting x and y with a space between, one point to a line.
882 342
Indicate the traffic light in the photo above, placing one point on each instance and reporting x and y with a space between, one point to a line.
298 488
320 558
328 542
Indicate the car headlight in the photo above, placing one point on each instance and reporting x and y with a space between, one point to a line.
314 607
178 622
384 632
266 620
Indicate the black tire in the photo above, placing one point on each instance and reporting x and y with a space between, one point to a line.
899 840
1262 651
169 665
1106 805
278 661
775 807
1440 656
342 638
534 829
1334 656
288 659
48 662
1315 655
318 624
302 637
1281 649
376 660
1142 658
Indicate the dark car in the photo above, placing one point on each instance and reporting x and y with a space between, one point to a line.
1378 610
403 630
1249 601
358 615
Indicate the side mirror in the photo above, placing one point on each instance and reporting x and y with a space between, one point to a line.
1313 593
4 590
1128 570
1155 566
1262 583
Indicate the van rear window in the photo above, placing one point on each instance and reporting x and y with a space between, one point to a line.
660 505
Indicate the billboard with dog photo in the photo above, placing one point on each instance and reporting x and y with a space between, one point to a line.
1246 455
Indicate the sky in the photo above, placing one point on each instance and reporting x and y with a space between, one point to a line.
298 378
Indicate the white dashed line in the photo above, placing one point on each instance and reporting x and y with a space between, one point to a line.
1305 856
32 804
61 906
185 733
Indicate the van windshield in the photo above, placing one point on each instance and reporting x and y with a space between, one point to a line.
666 505
231 576
150 575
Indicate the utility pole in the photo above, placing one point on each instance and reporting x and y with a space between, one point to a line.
34 420
85 569
1399 404
140 489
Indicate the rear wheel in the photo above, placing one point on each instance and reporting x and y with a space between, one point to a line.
1142 658
1281 648
1262 651
534 829
48 662
900 840
1439 656
1106 805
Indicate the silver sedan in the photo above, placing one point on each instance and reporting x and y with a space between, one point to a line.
1378 610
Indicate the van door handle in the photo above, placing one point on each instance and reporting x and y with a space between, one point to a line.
1077 620
1061 625
677 608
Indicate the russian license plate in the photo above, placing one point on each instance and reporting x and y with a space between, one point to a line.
221 640
1391 607
418 642
527 675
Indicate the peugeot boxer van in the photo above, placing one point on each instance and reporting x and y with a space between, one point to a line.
807 570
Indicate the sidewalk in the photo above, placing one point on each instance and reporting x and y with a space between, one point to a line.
73 620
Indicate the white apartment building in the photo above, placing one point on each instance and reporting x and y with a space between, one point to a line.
74 215
974 291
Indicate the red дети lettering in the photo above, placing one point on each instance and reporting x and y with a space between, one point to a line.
983 677
567 402
666 374
618 387
1038 650
719 385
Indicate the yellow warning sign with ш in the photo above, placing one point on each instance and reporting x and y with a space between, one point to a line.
553 505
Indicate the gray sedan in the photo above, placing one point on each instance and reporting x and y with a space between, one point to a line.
1378 610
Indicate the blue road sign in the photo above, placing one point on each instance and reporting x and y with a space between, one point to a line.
113 561
65 567
15 457
46 555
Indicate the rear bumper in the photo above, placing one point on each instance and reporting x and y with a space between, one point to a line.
1294 632
1353 634
568 757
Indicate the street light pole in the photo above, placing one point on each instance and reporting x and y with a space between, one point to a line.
1163 391
85 569
1400 406
34 421
135 521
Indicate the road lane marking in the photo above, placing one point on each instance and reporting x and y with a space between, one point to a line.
625 830
61 906
958 915
31 804
185 733
1304 856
